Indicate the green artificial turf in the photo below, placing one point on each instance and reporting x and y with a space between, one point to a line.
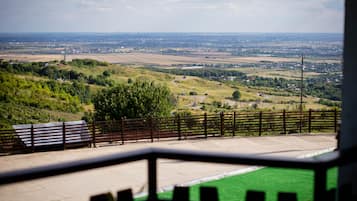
270 180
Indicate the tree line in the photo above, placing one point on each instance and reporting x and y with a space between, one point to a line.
317 87
52 72
87 63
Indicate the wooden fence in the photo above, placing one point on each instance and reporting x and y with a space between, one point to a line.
174 128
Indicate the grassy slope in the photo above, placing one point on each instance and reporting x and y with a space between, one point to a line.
20 114
181 86
270 180
25 90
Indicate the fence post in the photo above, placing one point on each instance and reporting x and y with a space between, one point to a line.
310 119
284 122
179 126
301 119
260 123
110 130
222 124
205 124
93 133
32 139
122 130
234 124
151 129
335 120
64 135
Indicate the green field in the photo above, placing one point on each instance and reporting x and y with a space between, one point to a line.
270 180
56 91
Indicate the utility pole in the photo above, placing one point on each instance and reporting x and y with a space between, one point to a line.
301 91
64 55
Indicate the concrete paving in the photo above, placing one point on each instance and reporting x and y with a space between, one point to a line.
79 186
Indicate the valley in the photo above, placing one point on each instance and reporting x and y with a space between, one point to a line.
201 71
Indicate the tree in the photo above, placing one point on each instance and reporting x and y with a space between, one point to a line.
236 95
139 99
106 73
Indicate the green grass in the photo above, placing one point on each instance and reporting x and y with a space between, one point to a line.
180 86
270 180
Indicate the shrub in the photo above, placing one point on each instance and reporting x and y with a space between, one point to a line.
236 95
193 93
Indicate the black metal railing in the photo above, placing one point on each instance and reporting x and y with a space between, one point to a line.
319 165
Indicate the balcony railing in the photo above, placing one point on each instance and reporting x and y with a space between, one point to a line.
319 165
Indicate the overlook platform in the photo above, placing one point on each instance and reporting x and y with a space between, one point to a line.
81 185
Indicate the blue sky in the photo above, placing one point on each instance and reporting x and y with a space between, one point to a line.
171 15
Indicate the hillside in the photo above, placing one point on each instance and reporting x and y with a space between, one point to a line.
209 93
54 91
26 100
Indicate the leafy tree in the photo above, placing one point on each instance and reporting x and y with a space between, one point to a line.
130 80
139 99
106 73
236 95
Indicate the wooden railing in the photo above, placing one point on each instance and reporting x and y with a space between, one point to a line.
175 128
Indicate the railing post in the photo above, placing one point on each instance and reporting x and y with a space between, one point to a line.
310 119
205 124
335 120
152 179
151 129
122 130
222 123
301 121
64 135
179 126
110 130
284 122
157 127
319 184
93 133
260 123
32 139
234 124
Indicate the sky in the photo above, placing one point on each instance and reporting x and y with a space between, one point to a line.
171 16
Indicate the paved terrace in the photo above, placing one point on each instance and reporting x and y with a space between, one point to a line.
79 186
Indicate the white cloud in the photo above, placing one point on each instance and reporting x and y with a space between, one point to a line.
172 15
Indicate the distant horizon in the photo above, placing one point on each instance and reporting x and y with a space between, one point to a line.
167 32
201 16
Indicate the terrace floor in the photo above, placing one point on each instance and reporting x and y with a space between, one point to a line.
79 186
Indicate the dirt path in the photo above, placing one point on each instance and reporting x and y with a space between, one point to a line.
79 186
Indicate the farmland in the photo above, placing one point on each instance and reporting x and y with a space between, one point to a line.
139 58
201 71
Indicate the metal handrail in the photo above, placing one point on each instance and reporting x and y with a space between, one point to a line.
318 164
